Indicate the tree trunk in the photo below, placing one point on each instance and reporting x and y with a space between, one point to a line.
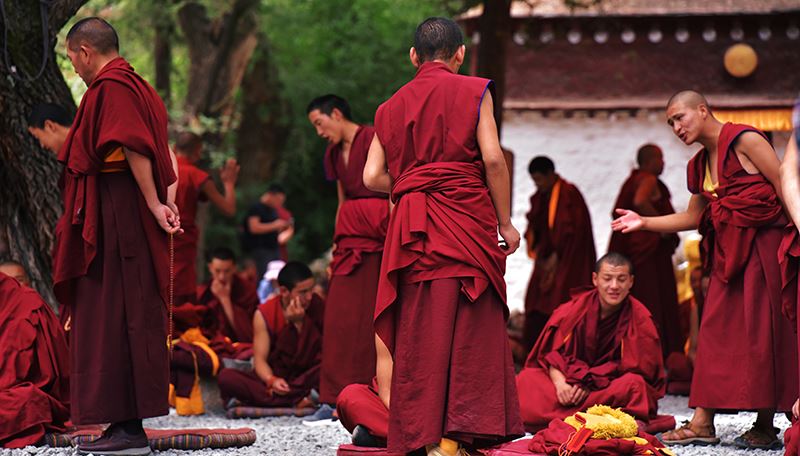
162 53
494 27
31 201
262 132
219 51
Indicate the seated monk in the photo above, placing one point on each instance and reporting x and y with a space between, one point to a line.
217 330
601 347
364 409
287 346
34 372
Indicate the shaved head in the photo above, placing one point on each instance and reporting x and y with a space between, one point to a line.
95 33
688 98
14 269
647 153
437 38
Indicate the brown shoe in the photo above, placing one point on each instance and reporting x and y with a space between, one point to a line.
116 441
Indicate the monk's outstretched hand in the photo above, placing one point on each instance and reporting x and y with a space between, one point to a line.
629 221
167 219
280 386
511 236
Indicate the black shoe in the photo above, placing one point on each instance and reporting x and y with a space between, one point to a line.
362 438
116 440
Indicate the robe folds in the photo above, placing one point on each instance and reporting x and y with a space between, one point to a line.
110 257
360 404
567 233
294 356
228 339
746 351
651 254
440 306
349 338
190 183
34 369
617 359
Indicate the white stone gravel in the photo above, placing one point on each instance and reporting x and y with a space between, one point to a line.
288 436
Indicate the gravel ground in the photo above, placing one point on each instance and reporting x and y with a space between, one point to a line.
288 436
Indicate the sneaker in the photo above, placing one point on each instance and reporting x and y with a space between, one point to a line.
322 417
244 365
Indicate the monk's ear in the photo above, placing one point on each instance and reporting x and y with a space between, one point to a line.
594 279
49 125
460 54
412 54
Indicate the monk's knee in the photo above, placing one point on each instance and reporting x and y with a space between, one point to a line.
350 392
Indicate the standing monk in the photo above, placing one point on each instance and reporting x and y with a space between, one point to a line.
560 240
746 351
651 253
441 306
361 220
195 185
111 264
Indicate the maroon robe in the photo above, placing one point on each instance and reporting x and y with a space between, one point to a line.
229 339
110 261
294 356
651 254
441 307
34 370
360 405
571 239
617 359
349 341
190 183
746 351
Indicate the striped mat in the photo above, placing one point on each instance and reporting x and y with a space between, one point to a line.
262 412
166 439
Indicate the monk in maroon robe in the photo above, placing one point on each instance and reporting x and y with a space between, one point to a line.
746 351
194 186
110 262
440 307
560 240
287 346
361 220
601 347
651 253
34 369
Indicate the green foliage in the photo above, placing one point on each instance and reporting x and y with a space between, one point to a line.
357 49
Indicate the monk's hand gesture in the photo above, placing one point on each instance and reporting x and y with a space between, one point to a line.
579 395
294 312
564 393
222 290
628 222
229 172
510 235
280 386
167 219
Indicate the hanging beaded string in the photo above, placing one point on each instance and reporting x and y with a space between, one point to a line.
171 288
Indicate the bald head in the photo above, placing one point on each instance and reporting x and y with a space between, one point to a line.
437 38
688 98
95 33
650 158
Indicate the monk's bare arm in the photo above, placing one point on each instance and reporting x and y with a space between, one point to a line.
143 174
672 223
226 202
376 175
761 154
256 226
261 349
383 374
172 190
642 199
790 181
497 178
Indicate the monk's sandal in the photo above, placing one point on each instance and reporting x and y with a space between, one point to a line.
686 435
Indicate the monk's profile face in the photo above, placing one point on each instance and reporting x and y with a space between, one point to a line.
544 182
16 271
49 136
81 59
329 127
303 290
686 121
655 164
221 270
613 283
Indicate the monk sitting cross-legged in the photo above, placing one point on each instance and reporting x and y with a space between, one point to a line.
287 346
601 347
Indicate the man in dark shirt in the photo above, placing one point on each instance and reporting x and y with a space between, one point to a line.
261 227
